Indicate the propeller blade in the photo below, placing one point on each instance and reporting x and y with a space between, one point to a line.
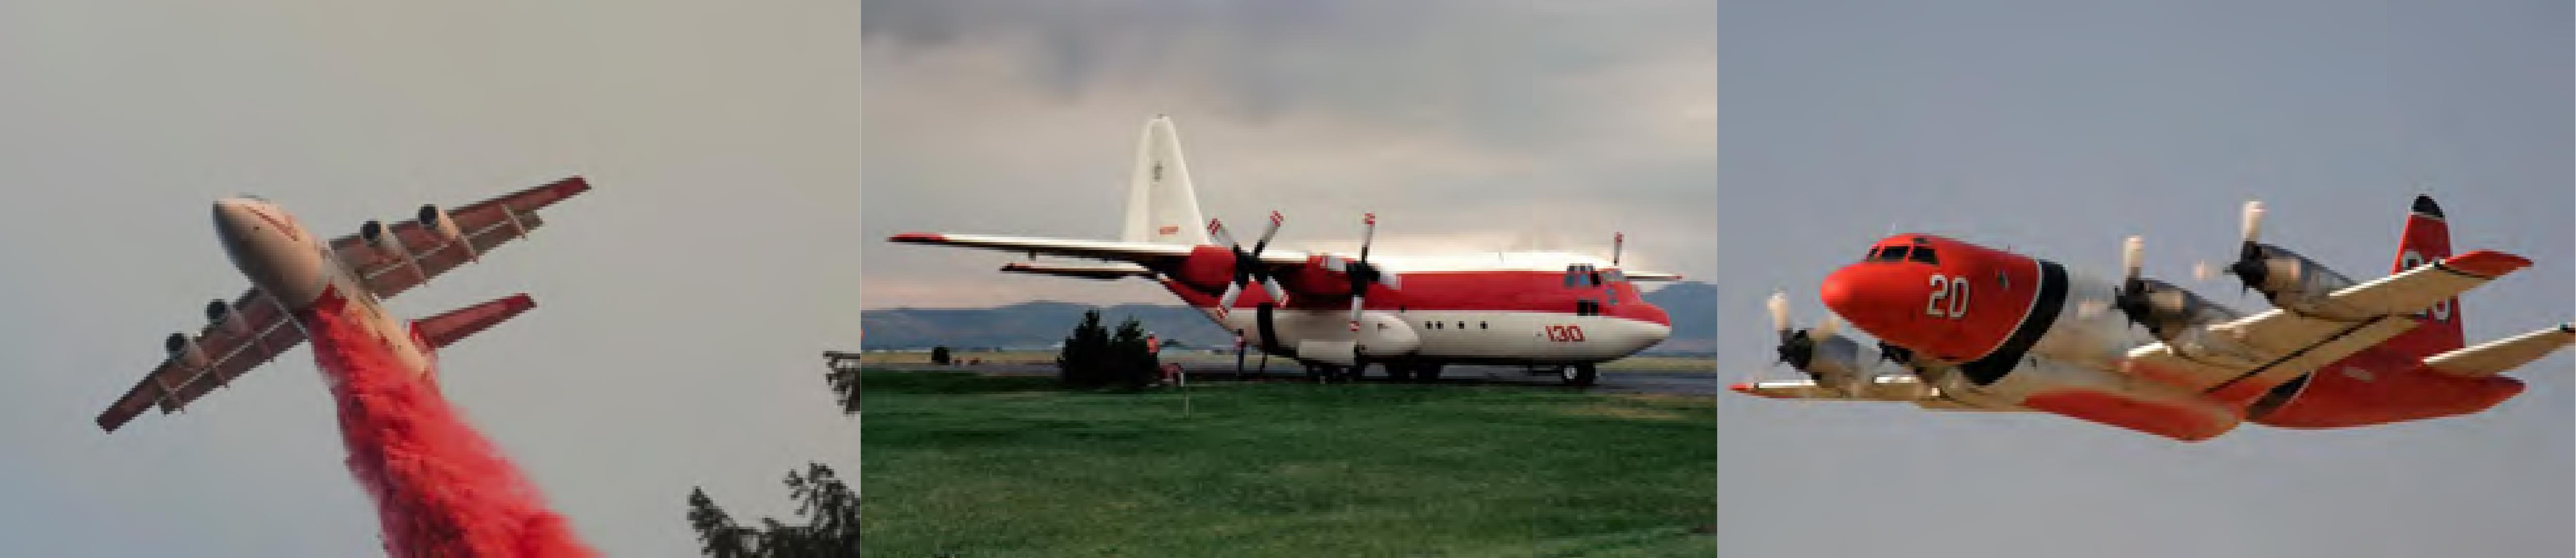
2091 308
1226 302
1216 229
1390 280
1267 233
1368 234
2253 226
1277 295
1355 313
1779 305
2131 253
1833 325
2204 271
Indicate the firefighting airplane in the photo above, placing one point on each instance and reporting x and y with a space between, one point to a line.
1984 329
1556 311
293 273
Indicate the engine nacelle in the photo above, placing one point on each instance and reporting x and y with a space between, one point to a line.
2293 282
217 311
1317 280
1208 267
2167 310
185 351
378 236
1834 361
437 221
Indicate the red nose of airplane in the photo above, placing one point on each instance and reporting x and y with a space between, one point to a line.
1878 298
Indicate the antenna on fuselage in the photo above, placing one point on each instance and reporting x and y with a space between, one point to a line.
1618 241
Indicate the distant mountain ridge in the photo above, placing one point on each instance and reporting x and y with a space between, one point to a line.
1028 325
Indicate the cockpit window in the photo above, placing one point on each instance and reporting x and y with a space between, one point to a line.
1614 276
1890 254
1922 254
1872 255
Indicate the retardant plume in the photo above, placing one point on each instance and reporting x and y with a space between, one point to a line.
440 488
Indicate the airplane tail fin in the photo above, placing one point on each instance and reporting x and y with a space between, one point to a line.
2428 239
1161 207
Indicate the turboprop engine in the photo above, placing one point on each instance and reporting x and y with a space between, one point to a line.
2290 281
1823 353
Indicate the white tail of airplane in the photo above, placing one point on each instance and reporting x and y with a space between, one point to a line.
1161 206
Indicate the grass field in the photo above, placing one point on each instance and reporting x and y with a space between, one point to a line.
973 466
1193 358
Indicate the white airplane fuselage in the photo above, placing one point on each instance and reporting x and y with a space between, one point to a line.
297 270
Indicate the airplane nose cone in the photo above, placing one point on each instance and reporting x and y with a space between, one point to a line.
1872 298
233 217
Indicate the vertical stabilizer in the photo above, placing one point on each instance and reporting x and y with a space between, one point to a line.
2428 239
1161 206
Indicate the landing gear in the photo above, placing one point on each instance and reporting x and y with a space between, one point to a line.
1421 372
1326 373
1580 375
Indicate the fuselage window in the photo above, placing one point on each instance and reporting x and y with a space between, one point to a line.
1482 325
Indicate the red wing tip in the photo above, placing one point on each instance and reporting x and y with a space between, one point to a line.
571 185
2487 263
918 237
1745 388
521 300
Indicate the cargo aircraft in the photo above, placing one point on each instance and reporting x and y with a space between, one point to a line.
295 274
1975 328
1337 314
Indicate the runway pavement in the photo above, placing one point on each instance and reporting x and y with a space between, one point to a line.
1624 381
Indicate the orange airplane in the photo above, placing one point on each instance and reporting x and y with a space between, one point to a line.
1985 329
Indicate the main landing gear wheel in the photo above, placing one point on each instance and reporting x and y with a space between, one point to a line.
1580 375
1428 372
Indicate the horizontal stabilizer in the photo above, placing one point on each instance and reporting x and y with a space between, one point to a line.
2494 357
446 329
1102 272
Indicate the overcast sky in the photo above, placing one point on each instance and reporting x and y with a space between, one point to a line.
1466 125
2059 129
681 303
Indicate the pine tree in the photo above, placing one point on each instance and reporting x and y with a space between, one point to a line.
1132 361
1085 360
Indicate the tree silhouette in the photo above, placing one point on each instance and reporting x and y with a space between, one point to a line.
830 510
1084 360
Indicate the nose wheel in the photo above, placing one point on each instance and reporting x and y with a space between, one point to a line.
1580 375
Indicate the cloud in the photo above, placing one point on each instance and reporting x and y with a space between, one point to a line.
1503 122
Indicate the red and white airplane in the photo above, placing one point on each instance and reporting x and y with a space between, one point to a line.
1985 329
294 274
1558 311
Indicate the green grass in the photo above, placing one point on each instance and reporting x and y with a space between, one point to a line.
972 466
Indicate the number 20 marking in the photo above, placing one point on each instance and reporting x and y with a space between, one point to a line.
1954 289
1565 333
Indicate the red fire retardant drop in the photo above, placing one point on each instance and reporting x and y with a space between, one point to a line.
440 488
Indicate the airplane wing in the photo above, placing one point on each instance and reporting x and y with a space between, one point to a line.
2276 345
1650 276
1141 253
1892 389
256 330
425 253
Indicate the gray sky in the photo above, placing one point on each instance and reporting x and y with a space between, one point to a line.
1463 125
2057 130
681 304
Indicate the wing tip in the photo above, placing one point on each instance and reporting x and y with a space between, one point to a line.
570 185
2487 263
918 238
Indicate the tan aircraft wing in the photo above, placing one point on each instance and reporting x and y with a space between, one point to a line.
2276 345
1141 253
425 254
1889 389
256 330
